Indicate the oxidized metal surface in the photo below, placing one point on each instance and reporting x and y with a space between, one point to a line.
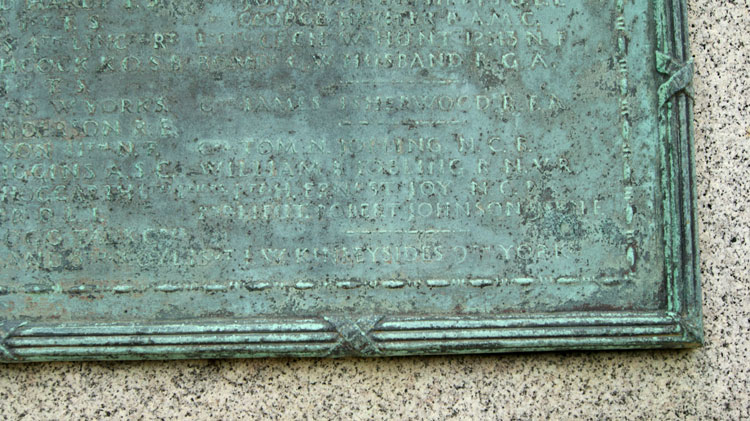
301 177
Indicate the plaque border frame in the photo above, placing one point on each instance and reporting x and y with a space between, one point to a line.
678 326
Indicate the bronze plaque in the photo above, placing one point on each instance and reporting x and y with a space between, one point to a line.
300 177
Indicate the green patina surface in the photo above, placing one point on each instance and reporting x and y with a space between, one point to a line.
327 178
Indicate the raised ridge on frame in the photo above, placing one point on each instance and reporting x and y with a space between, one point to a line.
334 336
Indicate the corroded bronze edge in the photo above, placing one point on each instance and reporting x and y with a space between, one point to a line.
679 326
340 335
676 135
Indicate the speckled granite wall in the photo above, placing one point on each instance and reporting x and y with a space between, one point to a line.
709 383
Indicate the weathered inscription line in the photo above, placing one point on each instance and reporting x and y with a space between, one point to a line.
430 231
397 82
404 123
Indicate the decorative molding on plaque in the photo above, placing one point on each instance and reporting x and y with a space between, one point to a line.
339 335
7 329
355 333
